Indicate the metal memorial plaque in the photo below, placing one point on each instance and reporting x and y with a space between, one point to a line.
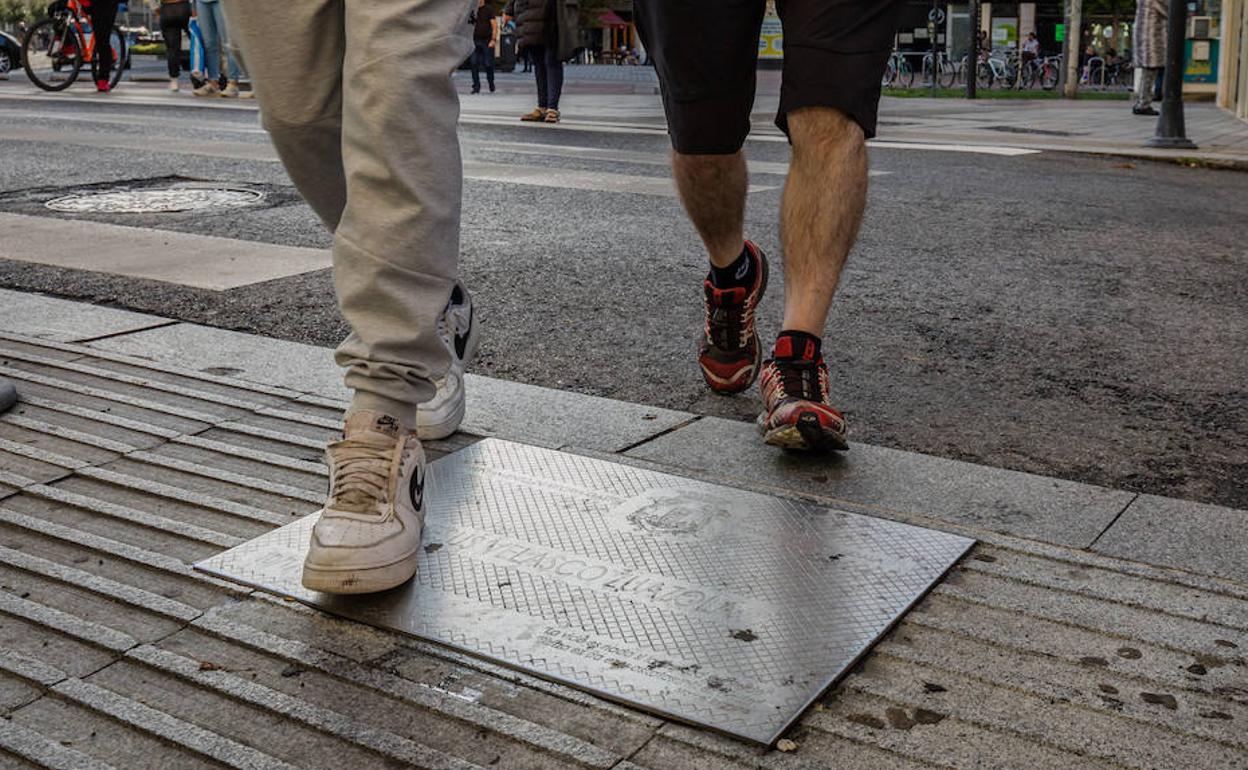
715 606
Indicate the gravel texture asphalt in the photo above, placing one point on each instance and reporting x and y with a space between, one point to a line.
1073 316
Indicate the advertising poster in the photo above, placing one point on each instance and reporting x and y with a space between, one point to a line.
771 39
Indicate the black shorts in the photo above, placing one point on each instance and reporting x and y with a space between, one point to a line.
706 52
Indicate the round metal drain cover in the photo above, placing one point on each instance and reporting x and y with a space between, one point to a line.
164 201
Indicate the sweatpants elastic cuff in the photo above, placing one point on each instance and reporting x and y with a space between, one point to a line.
402 411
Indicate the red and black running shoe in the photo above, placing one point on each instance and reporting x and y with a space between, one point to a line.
797 412
102 86
730 352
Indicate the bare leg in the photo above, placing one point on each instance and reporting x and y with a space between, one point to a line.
823 203
712 188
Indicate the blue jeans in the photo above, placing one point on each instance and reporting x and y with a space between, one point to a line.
482 52
548 71
212 27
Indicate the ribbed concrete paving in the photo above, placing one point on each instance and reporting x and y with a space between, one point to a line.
116 474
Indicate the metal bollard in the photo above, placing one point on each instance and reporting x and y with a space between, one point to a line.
1171 132
8 395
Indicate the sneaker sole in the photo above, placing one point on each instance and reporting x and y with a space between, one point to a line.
806 435
360 581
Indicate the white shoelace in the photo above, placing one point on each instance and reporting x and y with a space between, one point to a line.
361 475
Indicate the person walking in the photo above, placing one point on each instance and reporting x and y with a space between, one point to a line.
175 18
1148 51
216 41
484 22
549 35
834 58
363 113
103 15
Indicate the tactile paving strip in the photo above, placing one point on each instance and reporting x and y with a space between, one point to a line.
716 606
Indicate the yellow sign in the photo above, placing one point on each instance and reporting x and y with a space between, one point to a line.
771 38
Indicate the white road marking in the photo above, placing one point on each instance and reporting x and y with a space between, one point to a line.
611 155
200 261
760 133
574 179
980 149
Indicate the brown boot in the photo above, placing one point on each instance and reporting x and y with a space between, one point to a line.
552 116
536 116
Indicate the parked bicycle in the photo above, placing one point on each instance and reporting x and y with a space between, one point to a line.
1042 72
945 71
1102 73
54 49
897 72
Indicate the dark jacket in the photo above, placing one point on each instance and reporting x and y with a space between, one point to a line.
547 22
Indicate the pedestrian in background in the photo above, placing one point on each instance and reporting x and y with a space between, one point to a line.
1149 50
1031 48
484 21
216 39
103 15
549 34
175 18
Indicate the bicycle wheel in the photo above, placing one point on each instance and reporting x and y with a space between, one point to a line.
119 60
905 74
948 74
1048 76
52 54
983 75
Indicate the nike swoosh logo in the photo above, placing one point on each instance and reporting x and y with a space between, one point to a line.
416 488
461 340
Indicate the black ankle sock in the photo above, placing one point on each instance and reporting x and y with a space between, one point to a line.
739 273
800 346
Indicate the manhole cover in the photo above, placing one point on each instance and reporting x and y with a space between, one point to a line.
718 606
169 200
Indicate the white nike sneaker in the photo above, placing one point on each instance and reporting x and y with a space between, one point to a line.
369 532
458 329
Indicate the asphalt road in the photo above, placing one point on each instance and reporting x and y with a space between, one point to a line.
1074 316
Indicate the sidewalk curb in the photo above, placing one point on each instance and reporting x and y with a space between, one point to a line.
926 490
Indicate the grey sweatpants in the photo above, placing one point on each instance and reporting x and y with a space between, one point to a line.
1144 88
358 100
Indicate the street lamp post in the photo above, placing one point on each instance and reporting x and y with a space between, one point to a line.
1171 133
972 54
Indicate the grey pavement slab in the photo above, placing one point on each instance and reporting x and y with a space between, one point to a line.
1177 533
64 320
201 261
301 368
511 410
555 418
1010 502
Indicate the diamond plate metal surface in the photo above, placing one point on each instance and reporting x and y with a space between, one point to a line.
716 606
169 200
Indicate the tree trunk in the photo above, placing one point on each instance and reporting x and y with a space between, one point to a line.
1071 48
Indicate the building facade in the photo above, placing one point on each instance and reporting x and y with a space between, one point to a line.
1233 61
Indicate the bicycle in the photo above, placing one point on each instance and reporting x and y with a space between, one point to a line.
1041 71
947 73
54 49
987 71
898 71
